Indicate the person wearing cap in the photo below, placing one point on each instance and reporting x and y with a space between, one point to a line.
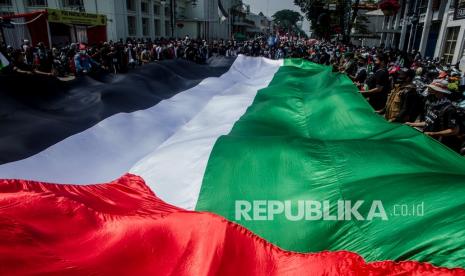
441 120
83 62
403 104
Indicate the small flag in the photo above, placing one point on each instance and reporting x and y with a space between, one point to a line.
3 61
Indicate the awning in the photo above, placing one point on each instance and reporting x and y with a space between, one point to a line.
243 24
254 30
20 15
240 36
31 26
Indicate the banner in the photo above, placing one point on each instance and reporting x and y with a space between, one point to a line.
76 18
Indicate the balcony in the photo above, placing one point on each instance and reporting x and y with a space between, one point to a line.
36 3
244 22
5 3
74 5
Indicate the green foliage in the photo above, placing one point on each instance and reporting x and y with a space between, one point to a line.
287 19
319 17
453 86
360 25
325 21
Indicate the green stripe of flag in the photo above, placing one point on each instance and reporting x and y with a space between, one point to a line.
3 61
311 136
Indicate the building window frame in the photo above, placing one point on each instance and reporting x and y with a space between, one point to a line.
167 28
156 9
157 27
36 3
6 3
144 7
450 43
145 23
131 5
132 25
73 4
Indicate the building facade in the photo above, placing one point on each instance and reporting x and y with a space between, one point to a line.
370 36
124 18
206 19
435 28
262 25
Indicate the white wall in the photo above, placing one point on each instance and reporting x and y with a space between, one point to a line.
459 46
204 13
115 10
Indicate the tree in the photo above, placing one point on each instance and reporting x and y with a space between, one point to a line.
287 20
319 17
360 25
325 20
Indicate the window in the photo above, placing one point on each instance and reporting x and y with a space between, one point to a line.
157 27
181 12
435 5
144 7
423 6
167 11
167 29
36 3
132 25
5 3
156 9
145 27
449 44
73 4
130 5
459 7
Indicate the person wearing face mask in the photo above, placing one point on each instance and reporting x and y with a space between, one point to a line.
403 103
349 65
361 74
83 61
441 118
28 52
380 84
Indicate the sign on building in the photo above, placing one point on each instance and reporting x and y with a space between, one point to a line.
76 18
459 9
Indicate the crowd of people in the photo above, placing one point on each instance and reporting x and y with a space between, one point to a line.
402 87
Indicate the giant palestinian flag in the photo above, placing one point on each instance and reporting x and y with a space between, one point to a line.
264 167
